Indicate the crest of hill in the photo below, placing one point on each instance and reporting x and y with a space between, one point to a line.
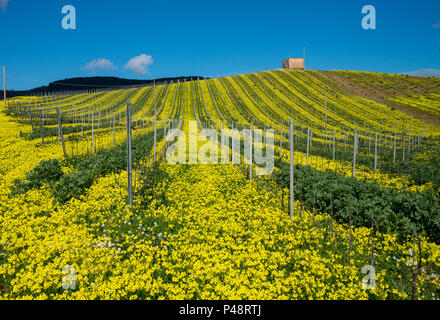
93 83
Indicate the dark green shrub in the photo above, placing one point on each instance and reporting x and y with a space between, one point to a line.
48 171
87 169
72 185
392 209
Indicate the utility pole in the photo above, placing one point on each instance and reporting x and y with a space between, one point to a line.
155 124
325 103
304 57
4 85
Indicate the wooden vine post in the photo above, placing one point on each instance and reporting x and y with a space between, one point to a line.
334 145
308 146
129 169
369 143
325 116
292 168
403 147
93 131
281 140
4 86
82 122
354 152
250 152
30 115
60 130
350 224
42 128
165 136
232 143
375 153
114 137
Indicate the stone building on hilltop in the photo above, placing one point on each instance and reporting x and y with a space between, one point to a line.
293 63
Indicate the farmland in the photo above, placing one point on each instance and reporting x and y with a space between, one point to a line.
364 147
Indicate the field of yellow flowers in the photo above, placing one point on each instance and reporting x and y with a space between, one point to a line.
209 235
206 231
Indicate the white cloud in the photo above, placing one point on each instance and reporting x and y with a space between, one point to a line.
4 4
139 64
99 64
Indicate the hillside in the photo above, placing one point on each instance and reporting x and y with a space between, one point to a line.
417 96
91 83
363 173
351 98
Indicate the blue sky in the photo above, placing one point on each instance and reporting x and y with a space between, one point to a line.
213 38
